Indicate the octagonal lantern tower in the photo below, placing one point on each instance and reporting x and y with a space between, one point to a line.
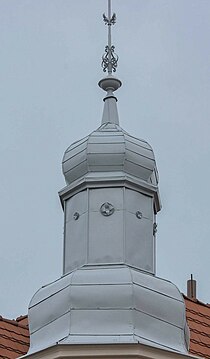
109 293
112 197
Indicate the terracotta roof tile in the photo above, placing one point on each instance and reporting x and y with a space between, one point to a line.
14 337
198 318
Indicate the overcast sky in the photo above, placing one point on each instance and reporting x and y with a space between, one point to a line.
49 68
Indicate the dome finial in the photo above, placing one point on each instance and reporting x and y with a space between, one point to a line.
110 83
109 59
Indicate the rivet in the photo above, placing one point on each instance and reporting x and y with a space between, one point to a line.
76 216
138 214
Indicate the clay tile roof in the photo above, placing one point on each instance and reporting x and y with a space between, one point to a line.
14 337
198 318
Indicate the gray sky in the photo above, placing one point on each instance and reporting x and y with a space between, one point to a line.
49 68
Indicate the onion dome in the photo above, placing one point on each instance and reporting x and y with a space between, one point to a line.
110 149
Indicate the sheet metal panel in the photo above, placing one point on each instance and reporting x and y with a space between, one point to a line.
76 144
77 203
50 334
95 238
74 160
105 139
137 170
139 243
102 195
106 168
105 233
76 151
50 309
137 141
101 322
118 147
104 296
102 339
115 160
157 284
149 342
138 147
105 238
107 275
158 331
156 305
71 174
107 136
50 289
138 159
135 201
76 234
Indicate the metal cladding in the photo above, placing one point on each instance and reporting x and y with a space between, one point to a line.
109 293
110 168
112 304
109 158
109 225
112 150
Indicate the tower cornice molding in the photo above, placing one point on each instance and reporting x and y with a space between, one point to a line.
110 181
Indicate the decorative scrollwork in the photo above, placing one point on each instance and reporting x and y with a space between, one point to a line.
107 209
109 59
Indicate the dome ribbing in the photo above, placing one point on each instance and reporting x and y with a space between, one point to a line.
110 149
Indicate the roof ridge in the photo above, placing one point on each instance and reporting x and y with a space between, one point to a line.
197 301
21 317
15 322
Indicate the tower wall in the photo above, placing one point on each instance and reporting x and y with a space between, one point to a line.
109 226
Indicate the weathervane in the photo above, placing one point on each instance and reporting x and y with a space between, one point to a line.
109 59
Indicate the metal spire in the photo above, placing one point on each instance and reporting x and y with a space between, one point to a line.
109 59
110 83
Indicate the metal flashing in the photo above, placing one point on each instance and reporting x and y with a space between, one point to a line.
108 304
